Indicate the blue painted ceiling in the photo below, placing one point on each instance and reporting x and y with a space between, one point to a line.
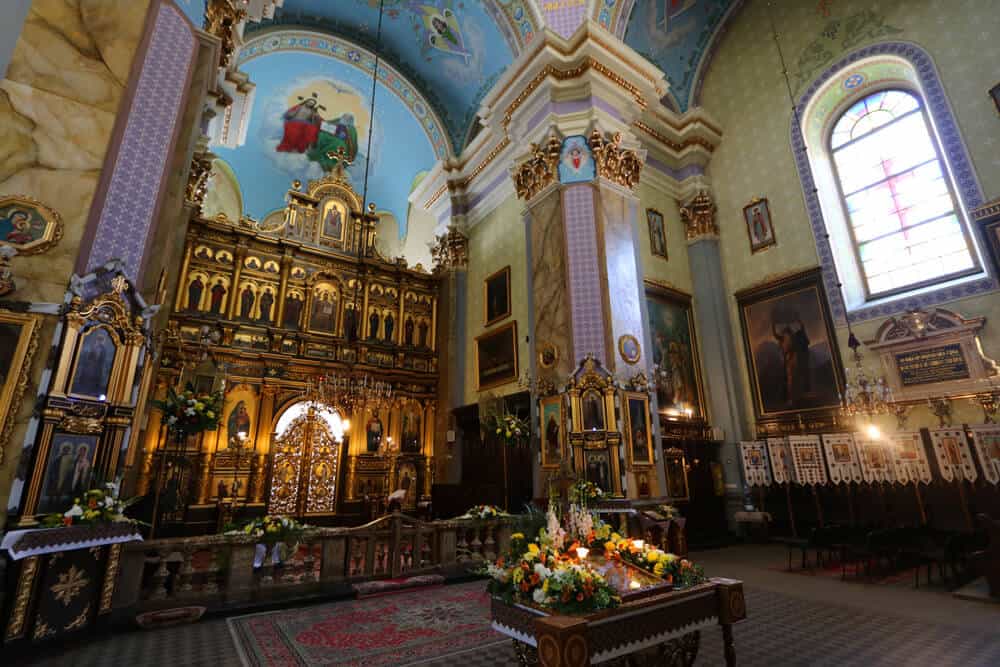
282 143
451 50
673 35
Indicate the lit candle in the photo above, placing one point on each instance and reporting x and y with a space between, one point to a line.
581 552
634 585
639 544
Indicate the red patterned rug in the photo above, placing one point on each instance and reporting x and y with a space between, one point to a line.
402 629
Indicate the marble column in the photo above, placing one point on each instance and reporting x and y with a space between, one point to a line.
723 381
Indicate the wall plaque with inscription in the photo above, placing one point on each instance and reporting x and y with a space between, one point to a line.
936 364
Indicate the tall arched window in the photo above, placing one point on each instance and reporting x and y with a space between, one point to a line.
897 197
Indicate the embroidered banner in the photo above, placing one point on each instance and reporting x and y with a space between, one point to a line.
781 460
807 459
755 469
987 439
876 460
910 458
842 458
954 458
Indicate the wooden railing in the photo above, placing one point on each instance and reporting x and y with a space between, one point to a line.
218 571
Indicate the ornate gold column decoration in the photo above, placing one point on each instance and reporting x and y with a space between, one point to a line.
265 419
221 19
699 217
7 284
286 269
182 276
539 170
615 163
450 252
197 184
260 479
234 292
203 489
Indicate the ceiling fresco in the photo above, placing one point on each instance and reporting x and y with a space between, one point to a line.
307 105
675 35
452 50
194 10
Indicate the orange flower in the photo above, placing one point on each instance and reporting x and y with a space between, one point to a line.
535 579
670 578
525 586
542 557
579 597
68 520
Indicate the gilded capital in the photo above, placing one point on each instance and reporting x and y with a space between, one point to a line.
222 19
615 163
197 185
540 170
699 217
451 251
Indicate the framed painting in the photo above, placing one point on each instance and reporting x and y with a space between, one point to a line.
757 216
989 225
94 363
639 436
576 160
334 219
629 348
496 357
657 233
995 96
675 471
496 296
553 431
790 345
68 471
677 368
18 341
28 225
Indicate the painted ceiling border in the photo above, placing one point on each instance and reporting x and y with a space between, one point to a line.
283 39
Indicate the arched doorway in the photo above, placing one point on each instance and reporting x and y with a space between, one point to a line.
306 462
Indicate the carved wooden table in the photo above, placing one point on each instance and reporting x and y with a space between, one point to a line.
661 629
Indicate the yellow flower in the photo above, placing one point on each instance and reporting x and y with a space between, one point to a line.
609 546
517 536
545 585
533 548
652 557
210 414
658 569
616 537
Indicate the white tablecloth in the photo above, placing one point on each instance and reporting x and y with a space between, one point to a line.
11 538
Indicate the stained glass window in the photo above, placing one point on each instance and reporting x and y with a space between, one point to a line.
897 196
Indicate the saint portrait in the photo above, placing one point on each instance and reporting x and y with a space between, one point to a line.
96 359
195 289
599 469
640 444
787 334
323 316
657 233
496 356
27 224
552 431
293 310
757 216
266 303
334 215
676 367
497 296
411 429
576 161
593 411
675 471
238 422
841 452
217 298
68 473
374 434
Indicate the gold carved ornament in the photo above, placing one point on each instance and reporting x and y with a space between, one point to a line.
615 163
221 19
197 185
70 583
539 170
10 405
15 627
451 250
699 217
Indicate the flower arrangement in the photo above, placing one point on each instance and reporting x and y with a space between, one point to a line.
93 507
271 529
484 512
509 427
538 573
677 571
584 491
188 412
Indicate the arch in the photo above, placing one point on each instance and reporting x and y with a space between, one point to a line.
925 78
295 408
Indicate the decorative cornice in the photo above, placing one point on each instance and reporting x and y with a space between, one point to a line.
699 217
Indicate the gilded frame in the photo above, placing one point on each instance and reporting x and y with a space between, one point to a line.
786 287
507 329
53 224
543 348
674 297
760 246
497 317
654 217
987 218
629 397
16 381
628 358
544 403
675 471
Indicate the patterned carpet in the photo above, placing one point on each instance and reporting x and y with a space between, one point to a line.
786 626
400 629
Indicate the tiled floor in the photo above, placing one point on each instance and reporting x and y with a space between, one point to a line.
793 620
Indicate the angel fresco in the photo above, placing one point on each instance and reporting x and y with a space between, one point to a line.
443 33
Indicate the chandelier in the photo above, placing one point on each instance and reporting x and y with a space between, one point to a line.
864 396
348 393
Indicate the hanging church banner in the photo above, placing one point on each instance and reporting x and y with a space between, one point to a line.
781 460
876 459
954 458
910 458
842 458
987 441
807 459
755 470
